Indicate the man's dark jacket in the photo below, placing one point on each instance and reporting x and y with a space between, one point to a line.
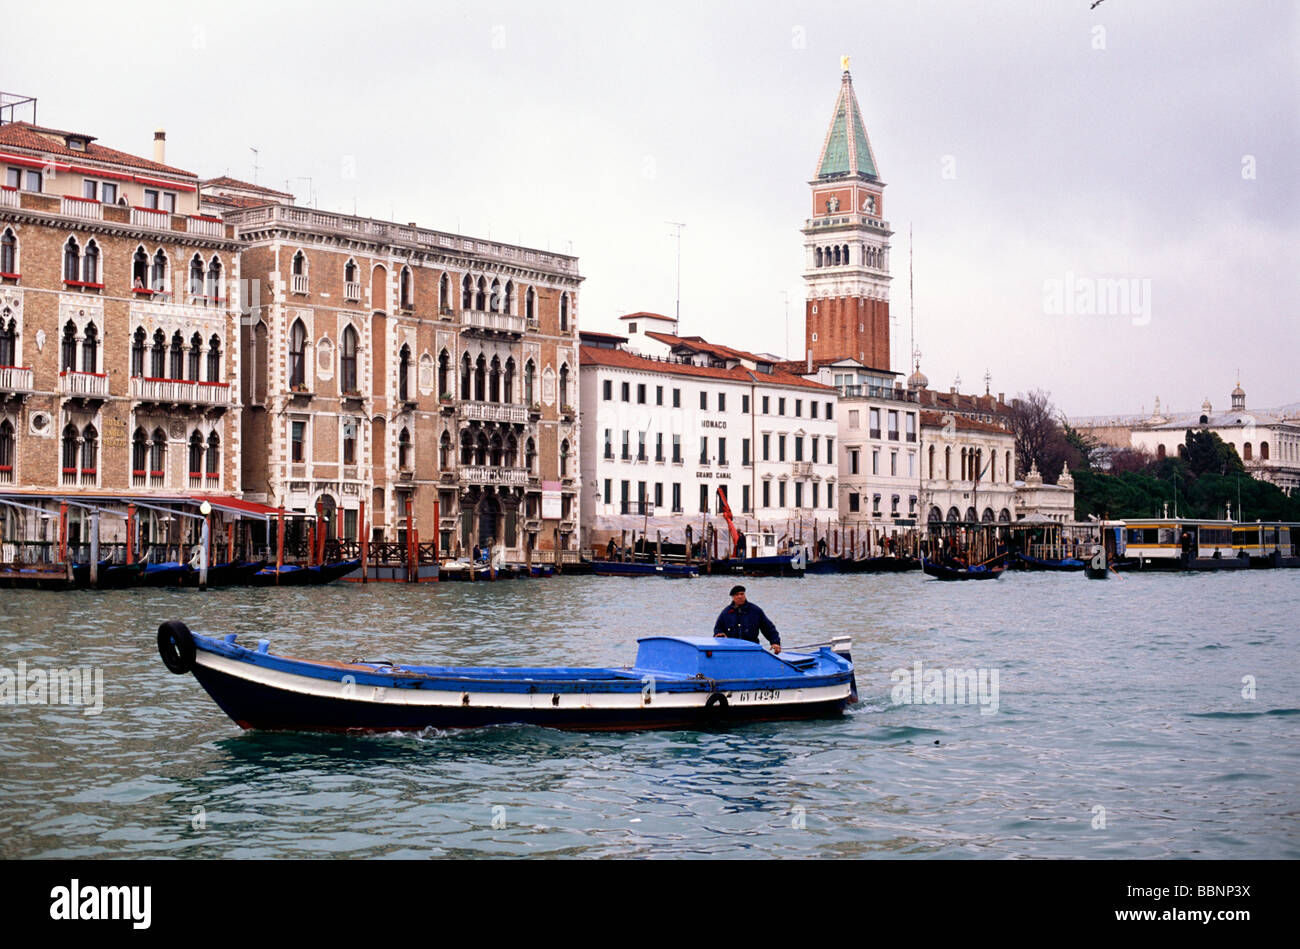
745 622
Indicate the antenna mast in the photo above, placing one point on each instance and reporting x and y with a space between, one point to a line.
677 319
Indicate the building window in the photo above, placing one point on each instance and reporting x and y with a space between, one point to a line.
659 446
704 450
404 288
874 430
68 349
704 400
659 494
349 442
780 449
659 395
564 385
214 281
766 407
8 253
677 498
298 355
71 261
798 408
607 390
767 446
744 498
744 452
564 313
640 446
704 499
767 494
213 470
89 450
677 398
780 494
404 373
853 502
298 434
812 412
798 448
722 401
798 494
158 355
780 409
608 496
625 390
177 357
90 349
853 461
404 448
348 362
90 263
627 439
530 305
875 461
609 443
911 426
677 449
893 426
815 487
815 440
722 451
744 404
640 393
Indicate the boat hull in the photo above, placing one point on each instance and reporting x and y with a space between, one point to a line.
615 568
1025 562
940 572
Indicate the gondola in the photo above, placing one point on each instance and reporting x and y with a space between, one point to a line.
943 572
1026 562
294 575
677 681
618 568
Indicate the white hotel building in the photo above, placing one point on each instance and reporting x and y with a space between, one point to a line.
666 420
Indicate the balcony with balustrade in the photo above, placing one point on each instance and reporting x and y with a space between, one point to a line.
484 321
502 412
484 474
185 393
88 386
15 382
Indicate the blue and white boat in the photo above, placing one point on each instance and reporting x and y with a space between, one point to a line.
677 681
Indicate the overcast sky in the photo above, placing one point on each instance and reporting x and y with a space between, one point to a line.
1023 142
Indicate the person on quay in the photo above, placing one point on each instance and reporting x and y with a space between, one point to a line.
744 620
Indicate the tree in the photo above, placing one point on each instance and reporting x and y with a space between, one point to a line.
1040 438
1206 453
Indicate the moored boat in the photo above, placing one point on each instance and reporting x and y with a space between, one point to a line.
943 572
618 568
1026 562
675 682
291 575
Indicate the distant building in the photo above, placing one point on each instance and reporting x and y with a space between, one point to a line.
667 420
1266 440
1051 501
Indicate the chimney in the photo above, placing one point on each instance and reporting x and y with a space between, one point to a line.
810 359
160 146
1002 398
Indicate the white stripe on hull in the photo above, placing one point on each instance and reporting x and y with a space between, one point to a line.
541 700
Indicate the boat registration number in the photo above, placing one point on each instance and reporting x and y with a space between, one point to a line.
766 695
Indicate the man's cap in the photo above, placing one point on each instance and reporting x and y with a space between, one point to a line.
736 589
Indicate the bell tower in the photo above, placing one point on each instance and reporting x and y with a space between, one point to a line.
846 244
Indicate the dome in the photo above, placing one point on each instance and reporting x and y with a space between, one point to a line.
1239 391
1206 407
917 380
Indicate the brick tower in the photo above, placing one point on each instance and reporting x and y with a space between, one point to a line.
846 242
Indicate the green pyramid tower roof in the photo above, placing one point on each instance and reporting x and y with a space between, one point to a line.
847 150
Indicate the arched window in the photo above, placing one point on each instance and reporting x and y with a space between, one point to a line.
348 361
530 380
300 264
71 261
496 448
140 454
507 302
196 276
158 355
1263 451
1245 454
444 451
480 298
90 349
350 271
298 354
932 462
444 372
1006 468
404 448
159 276
6 451
508 395
564 384
90 263
1160 451
481 449
196 455
480 379
511 459
70 440
564 458
466 447
8 253
214 359
465 369
137 351
8 339
404 288
177 366
466 293
140 269
404 373
196 351
444 293
530 305
89 450
494 301
214 457
494 380
817 252
214 281
158 455
564 313
68 350
530 456
947 463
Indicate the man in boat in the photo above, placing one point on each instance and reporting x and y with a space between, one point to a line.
744 620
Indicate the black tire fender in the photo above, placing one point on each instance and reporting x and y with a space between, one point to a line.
176 646
717 704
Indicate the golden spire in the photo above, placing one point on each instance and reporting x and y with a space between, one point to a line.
844 63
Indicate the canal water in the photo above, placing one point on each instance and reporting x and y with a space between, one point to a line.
1148 716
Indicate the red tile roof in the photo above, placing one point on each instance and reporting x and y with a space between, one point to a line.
26 135
227 182
234 201
642 314
699 345
963 422
622 359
